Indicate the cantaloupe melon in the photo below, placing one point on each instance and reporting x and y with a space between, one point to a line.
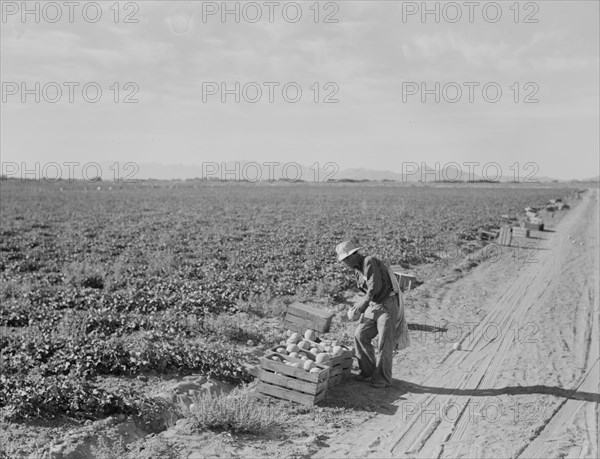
304 345
323 357
292 348
310 335
294 339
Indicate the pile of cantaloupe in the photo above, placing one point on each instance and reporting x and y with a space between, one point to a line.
308 365
307 349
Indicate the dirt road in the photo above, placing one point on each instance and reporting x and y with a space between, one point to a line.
527 380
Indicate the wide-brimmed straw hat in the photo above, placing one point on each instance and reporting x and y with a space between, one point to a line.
345 249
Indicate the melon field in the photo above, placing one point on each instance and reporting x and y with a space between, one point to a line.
106 284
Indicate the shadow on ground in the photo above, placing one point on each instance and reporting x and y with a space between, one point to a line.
507 390
361 396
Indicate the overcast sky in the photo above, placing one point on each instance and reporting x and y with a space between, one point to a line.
373 61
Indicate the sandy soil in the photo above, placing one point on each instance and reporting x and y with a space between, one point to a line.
525 383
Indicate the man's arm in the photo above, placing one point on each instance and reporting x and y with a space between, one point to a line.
373 277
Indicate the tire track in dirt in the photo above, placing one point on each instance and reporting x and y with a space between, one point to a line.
542 444
421 432
483 375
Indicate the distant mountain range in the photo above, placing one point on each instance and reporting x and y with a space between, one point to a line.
254 171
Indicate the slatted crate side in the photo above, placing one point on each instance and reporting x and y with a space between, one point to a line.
283 381
520 232
344 364
334 380
316 320
406 281
335 377
534 226
339 371
289 394
300 324
335 371
505 236
303 317
287 382
280 367
299 327
306 311
347 366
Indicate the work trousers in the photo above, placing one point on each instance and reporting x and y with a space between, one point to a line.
378 319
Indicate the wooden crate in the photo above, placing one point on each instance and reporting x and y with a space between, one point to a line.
289 383
505 236
488 235
517 231
339 366
301 317
406 281
535 226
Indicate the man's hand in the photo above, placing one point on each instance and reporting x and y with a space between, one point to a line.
362 306
357 310
354 314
